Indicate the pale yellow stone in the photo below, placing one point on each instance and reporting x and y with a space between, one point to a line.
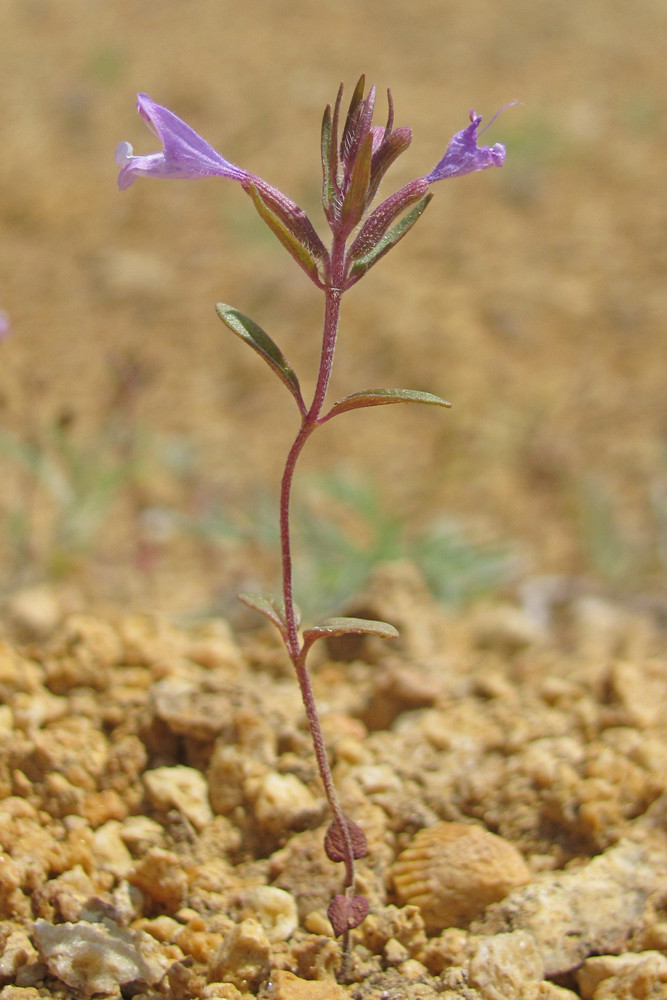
287 986
182 788
243 958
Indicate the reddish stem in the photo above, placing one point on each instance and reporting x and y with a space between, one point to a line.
297 653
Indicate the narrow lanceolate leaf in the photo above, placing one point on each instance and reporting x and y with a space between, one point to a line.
270 607
382 397
347 626
388 241
294 230
252 334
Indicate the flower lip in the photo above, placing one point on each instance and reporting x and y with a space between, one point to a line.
464 156
185 154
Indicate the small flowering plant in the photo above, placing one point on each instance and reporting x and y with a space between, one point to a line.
355 157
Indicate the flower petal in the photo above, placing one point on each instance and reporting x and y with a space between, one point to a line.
185 154
463 155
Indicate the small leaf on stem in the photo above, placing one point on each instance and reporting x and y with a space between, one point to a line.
270 607
334 842
346 912
259 340
346 626
382 397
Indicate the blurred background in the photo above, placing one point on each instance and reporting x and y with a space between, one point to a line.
141 444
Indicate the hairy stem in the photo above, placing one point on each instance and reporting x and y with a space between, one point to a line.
333 292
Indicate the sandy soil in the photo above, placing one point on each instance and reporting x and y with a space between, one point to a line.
161 823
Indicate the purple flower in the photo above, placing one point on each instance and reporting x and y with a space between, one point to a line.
184 153
463 155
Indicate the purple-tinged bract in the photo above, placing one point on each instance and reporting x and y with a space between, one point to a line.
464 156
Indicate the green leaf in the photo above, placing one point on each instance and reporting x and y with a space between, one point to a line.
389 240
382 397
252 334
296 234
347 626
270 607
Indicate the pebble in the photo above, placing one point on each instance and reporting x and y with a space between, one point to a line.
109 849
180 787
160 876
17 951
275 909
98 958
453 871
286 986
506 965
641 976
243 958
282 802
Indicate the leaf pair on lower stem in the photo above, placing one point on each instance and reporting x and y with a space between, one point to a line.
273 609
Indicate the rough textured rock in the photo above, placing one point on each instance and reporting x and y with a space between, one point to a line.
98 958
640 976
180 787
506 965
586 911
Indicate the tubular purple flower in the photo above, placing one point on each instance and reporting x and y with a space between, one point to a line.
185 154
464 156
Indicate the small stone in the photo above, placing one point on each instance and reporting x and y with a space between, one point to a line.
161 877
98 958
20 993
504 965
110 851
282 802
287 986
140 833
180 787
221 991
641 976
506 628
190 711
17 951
395 953
35 612
243 958
275 909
